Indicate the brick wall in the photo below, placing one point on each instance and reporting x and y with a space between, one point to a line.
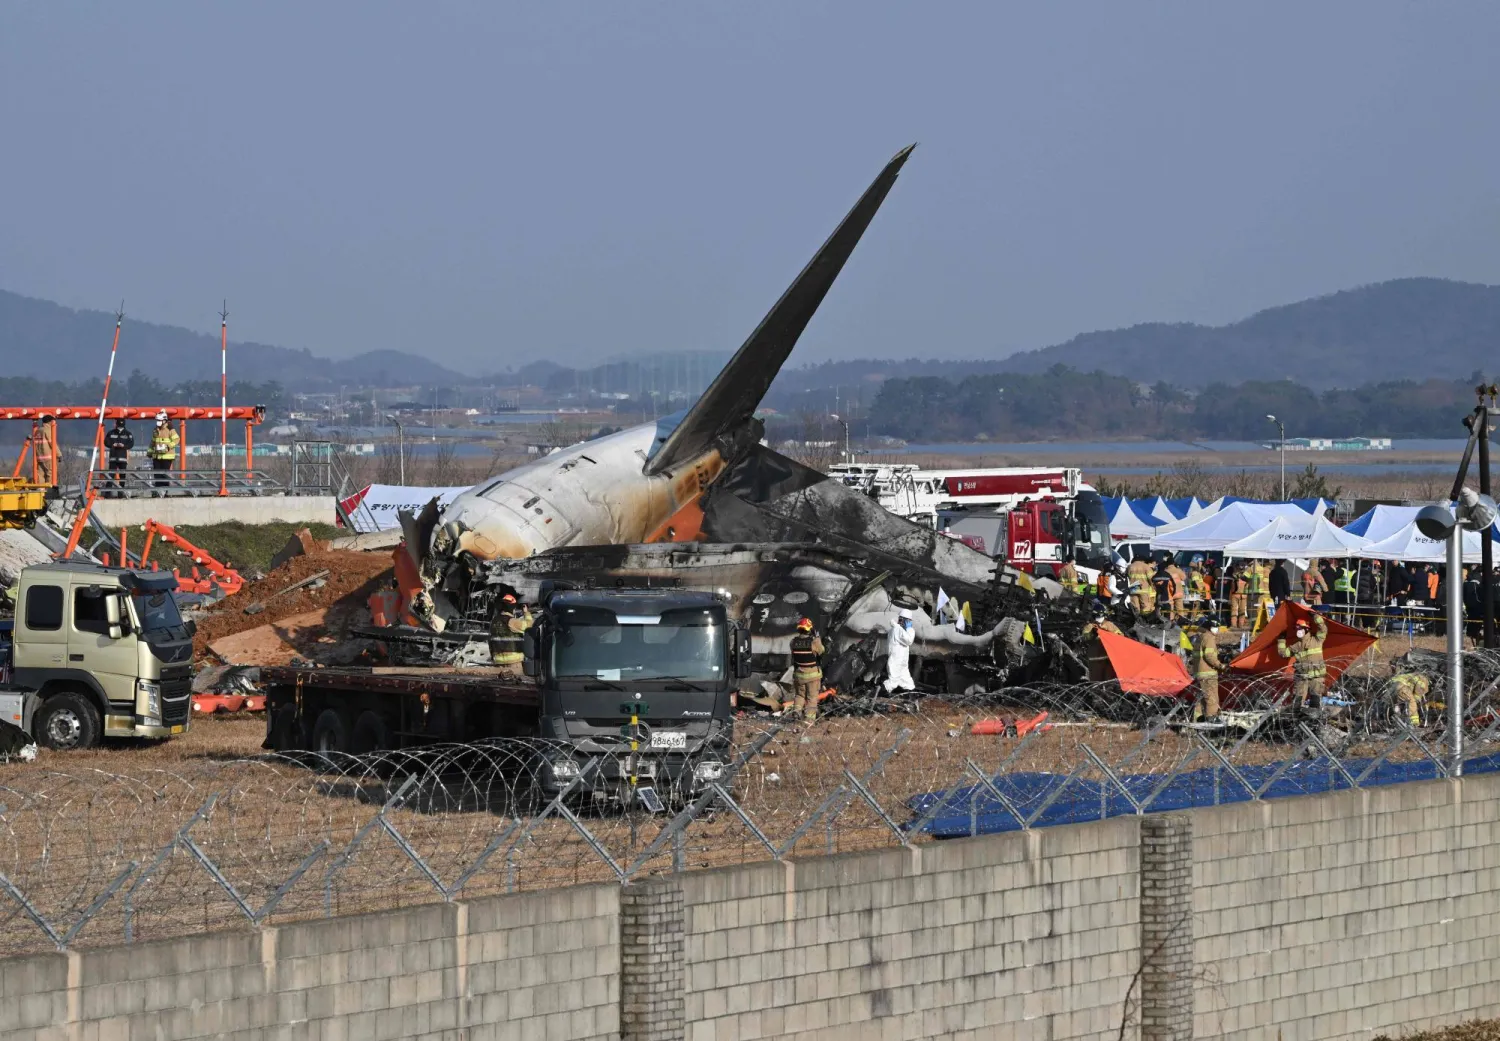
1335 916
536 966
1348 915
1037 934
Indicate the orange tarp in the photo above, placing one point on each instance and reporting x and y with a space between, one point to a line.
1142 669
1344 644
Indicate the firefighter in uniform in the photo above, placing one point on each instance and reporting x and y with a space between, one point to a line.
43 451
164 445
1142 596
1409 690
1179 591
1165 588
508 633
1309 673
1206 669
1068 576
117 445
807 673
1313 586
1098 660
1239 599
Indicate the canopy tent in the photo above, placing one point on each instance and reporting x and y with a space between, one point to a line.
1155 508
1288 537
1142 669
1315 506
1126 521
1217 530
1186 507
1344 644
1408 543
1381 521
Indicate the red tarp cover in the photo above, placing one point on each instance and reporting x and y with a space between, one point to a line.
1142 669
1344 644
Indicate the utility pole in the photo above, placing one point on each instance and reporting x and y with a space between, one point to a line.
400 446
1281 432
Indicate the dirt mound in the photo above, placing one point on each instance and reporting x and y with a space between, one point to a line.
343 598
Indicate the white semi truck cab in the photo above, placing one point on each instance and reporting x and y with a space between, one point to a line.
104 649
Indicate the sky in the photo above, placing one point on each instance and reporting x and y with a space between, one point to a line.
493 183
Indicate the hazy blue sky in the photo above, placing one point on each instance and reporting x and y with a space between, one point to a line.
494 182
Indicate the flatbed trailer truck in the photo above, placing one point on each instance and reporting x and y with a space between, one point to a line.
622 688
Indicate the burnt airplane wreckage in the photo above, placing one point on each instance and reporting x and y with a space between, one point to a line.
697 502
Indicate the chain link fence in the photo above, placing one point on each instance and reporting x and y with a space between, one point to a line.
92 857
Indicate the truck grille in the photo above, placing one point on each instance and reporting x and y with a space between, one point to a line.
176 701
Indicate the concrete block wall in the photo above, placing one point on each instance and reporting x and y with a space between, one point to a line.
1348 915
1018 936
531 967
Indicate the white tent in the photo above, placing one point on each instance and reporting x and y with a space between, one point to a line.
1234 522
1157 508
1380 521
1294 538
1409 543
1126 523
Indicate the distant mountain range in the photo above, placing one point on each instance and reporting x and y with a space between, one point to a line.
46 340
1410 328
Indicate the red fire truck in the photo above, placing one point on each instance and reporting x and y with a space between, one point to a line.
1031 517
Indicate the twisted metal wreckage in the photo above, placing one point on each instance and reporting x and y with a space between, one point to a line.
696 501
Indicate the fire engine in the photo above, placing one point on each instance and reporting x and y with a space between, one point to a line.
1030 517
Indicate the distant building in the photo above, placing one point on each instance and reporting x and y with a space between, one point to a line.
1331 444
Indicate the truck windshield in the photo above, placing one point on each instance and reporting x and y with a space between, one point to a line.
593 643
1091 546
156 609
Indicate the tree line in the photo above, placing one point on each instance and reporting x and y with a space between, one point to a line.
1066 403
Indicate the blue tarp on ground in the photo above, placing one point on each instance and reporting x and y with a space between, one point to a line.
973 810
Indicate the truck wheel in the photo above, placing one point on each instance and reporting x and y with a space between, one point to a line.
331 732
67 720
371 733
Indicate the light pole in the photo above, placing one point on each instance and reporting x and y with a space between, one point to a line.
1281 432
843 423
400 445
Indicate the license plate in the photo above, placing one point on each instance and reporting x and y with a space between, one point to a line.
669 739
178 729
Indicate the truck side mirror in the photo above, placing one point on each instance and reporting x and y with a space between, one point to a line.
191 627
529 650
112 616
742 667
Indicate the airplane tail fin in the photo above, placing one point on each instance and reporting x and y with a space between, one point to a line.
736 392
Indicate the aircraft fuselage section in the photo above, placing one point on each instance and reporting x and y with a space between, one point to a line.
588 494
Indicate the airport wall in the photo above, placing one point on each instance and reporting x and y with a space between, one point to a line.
1348 915
1343 915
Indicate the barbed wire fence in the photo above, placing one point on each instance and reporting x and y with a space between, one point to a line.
92 858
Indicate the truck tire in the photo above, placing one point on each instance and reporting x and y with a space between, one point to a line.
331 732
371 734
67 720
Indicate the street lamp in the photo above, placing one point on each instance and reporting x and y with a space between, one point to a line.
1281 432
400 444
1472 512
843 423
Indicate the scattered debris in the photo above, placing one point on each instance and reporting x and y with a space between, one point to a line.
316 579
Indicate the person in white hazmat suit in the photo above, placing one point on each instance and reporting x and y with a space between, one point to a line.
898 652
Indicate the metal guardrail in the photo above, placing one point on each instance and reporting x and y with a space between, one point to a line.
146 484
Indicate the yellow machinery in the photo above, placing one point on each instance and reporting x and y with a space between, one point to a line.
21 502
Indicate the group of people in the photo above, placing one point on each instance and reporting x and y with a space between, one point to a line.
118 444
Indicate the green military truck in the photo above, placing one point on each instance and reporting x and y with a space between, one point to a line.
105 651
